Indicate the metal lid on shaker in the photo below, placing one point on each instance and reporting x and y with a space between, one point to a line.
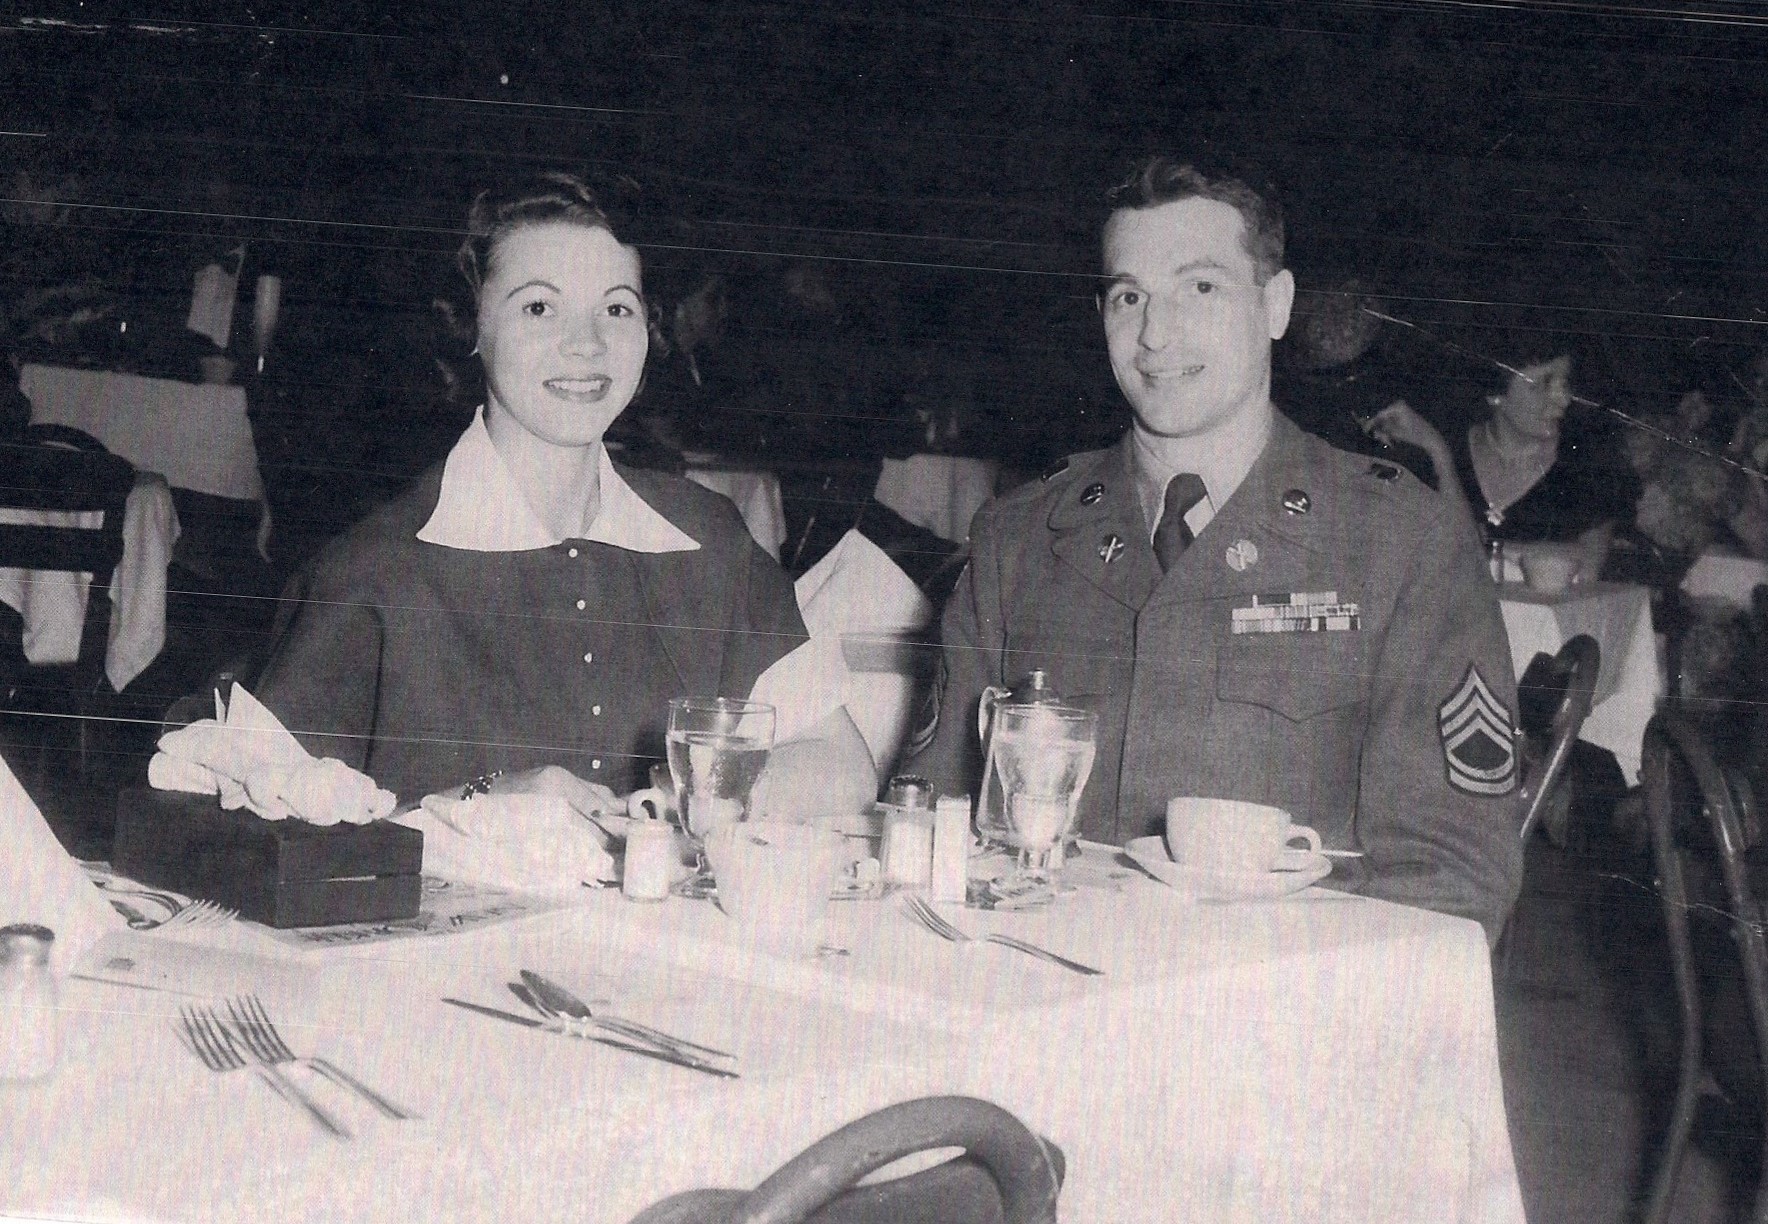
909 791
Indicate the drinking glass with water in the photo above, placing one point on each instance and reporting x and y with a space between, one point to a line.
717 749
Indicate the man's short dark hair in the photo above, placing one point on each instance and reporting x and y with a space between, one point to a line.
1163 179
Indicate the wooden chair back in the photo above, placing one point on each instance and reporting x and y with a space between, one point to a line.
1007 1175
51 469
1579 662
1670 738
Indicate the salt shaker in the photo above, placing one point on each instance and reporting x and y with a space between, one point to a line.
907 848
650 854
30 1023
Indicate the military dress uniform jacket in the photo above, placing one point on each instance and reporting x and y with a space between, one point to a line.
1329 644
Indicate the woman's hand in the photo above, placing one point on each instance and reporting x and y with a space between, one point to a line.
1400 422
587 799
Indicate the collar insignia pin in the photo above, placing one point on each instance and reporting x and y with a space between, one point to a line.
1297 502
1110 548
1242 555
1091 494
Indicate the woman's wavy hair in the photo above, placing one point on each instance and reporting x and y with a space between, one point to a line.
546 197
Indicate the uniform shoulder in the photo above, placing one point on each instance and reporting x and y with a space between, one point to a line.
1050 484
1381 481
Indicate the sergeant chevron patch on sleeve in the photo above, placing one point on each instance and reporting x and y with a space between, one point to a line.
1479 742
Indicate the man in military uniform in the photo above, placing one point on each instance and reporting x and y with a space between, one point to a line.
1257 615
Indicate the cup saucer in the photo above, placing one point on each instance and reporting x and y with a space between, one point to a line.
1301 870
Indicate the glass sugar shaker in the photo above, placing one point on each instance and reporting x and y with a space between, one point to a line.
30 1021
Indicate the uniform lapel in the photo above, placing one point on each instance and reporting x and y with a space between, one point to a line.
1098 531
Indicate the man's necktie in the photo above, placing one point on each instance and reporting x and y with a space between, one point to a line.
1173 535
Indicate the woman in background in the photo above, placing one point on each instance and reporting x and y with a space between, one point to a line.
521 616
1522 474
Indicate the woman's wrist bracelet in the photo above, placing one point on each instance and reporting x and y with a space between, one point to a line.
480 785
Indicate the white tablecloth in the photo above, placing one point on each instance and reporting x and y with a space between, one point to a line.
1320 1059
196 435
53 602
1725 576
757 498
1630 681
939 492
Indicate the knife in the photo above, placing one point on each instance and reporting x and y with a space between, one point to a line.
555 997
679 1060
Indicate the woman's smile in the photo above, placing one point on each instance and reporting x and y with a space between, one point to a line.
590 390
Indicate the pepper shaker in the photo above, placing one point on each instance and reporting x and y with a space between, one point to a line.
30 1023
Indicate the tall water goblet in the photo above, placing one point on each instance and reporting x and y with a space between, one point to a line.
1044 755
717 749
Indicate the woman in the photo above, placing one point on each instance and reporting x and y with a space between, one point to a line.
518 620
1521 475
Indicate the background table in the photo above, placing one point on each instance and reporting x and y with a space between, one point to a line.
1729 577
1630 681
196 435
756 495
1319 1059
939 492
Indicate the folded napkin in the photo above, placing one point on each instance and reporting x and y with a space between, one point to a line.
857 589
246 756
42 884
516 841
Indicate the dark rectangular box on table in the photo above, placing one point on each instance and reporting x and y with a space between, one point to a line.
283 873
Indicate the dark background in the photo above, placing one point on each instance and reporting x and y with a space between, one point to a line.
1589 168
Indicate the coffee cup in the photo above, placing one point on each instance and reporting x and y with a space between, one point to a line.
656 801
775 881
1231 835
651 803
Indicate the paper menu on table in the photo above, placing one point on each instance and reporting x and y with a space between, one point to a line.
159 962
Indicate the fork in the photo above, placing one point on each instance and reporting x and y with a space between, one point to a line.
201 913
927 916
207 1037
265 1043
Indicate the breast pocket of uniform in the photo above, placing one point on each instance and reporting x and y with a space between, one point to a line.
1300 673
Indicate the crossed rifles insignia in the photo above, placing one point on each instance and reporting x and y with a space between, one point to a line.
1479 743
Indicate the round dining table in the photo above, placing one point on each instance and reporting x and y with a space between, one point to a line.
1630 679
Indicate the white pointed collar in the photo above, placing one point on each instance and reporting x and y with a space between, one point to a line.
481 509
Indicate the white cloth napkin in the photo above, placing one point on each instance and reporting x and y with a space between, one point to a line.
516 841
247 756
41 883
857 589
